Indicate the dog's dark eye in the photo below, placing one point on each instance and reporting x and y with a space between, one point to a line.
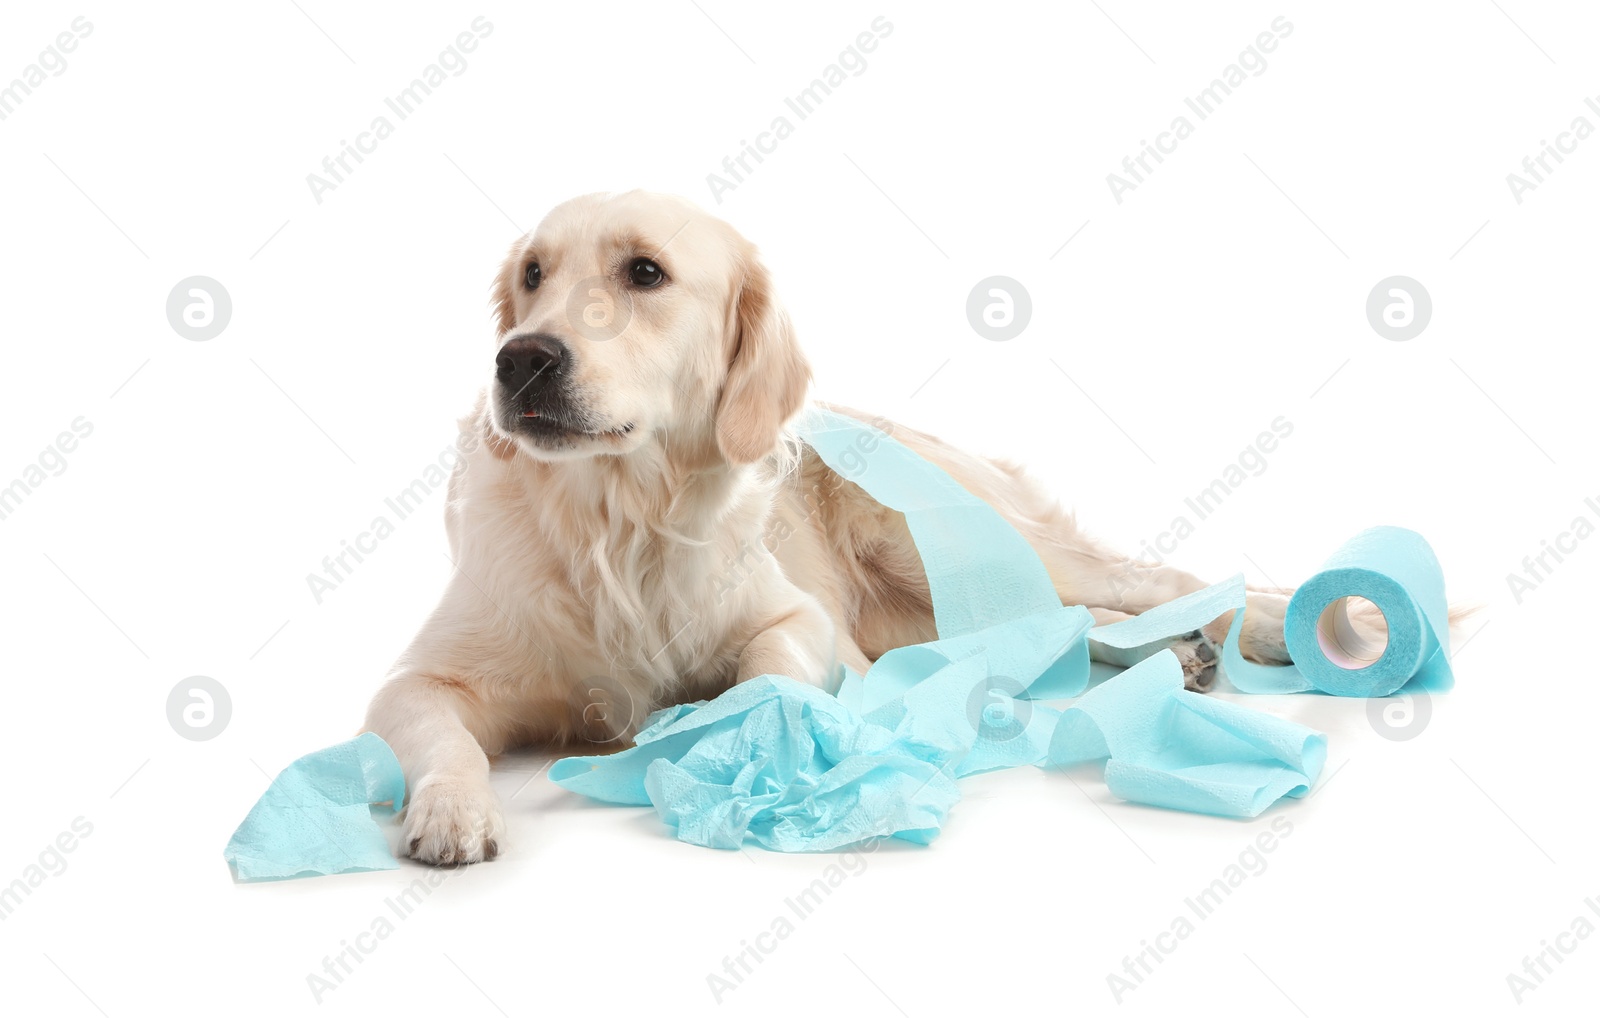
531 278
645 273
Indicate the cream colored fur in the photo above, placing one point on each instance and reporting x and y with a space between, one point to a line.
681 540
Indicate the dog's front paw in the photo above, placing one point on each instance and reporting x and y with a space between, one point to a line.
453 820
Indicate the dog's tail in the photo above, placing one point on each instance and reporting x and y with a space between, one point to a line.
1460 615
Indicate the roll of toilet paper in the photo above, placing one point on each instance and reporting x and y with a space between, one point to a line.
1347 652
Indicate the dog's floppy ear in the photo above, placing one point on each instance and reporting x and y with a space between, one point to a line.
767 373
503 295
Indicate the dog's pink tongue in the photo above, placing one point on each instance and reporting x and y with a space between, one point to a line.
531 413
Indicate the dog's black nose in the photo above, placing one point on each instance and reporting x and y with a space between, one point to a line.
530 362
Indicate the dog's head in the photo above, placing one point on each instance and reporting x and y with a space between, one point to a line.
637 320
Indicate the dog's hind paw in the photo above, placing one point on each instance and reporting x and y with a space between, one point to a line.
1199 660
1261 636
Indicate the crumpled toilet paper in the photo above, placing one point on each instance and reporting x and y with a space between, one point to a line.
797 769
316 816
792 768
785 763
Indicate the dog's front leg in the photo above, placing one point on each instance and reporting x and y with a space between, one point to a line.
436 727
798 643
444 714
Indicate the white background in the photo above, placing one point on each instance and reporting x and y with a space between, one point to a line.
1226 290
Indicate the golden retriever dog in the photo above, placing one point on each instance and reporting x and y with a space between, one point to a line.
634 524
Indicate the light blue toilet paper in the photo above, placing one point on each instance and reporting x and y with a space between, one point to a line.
795 768
1176 617
1396 570
783 763
799 770
1166 746
980 570
316 816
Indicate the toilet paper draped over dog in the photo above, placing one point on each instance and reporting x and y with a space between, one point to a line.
798 769
795 768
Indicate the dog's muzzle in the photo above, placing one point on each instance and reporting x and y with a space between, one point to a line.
529 365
